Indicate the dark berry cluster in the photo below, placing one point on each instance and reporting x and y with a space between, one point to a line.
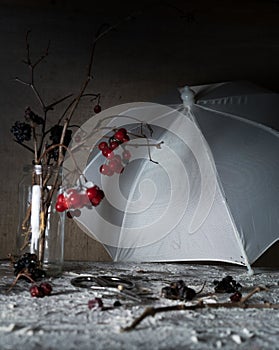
21 131
40 291
76 198
178 290
226 285
29 265
55 137
115 163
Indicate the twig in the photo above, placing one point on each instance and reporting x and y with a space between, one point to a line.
152 311
21 274
49 107
25 146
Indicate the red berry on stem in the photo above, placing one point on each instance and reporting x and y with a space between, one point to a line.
74 199
60 207
113 164
61 198
113 145
120 135
108 153
119 168
97 108
126 138
123 130
92 192
97 200
105 170
126 155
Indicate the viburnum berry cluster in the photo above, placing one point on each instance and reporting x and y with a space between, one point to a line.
27 266
74 199
115 163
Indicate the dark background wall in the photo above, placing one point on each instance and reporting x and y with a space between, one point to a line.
167 44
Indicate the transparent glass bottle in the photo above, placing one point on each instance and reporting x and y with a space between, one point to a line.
48 244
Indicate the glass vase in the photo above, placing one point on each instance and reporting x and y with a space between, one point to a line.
48 242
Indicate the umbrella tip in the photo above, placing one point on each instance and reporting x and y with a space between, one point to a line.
187 95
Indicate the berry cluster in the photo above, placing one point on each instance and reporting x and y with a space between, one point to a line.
28 264
226 285
115 163
55 137
76 198
44 289
21 131
178 290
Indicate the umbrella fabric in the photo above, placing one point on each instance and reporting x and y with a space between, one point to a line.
214 194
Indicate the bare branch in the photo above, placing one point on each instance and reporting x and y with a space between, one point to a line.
152 311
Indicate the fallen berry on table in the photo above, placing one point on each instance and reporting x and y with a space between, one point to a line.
95 303
36 291
46 288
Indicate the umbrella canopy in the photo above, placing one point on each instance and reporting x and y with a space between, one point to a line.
210 191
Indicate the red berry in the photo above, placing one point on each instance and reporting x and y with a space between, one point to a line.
105 170
119 168
97 200
103 145
113 145
60 207
113 164
92 192
36 291
126 155
123 130
120 135
46 287
97 108
61 198
74 199
126 138
108 153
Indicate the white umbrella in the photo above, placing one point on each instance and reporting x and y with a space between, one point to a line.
214 194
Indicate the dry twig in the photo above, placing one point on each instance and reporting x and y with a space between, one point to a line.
152 311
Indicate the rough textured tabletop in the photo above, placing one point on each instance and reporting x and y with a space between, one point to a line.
64 320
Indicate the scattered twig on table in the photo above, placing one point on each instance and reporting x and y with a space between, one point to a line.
152 311
21 274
